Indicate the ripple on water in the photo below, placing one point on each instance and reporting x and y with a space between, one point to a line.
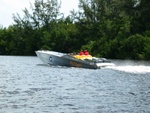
28 85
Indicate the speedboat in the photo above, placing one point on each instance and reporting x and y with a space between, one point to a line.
69 60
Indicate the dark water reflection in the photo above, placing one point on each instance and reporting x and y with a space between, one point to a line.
28 86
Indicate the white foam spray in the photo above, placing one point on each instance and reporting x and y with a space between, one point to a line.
132 69
132 66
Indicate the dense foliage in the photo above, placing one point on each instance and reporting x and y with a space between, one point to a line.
107 28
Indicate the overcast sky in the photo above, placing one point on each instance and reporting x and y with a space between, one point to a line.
9 7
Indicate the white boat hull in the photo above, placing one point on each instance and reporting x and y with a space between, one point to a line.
62 59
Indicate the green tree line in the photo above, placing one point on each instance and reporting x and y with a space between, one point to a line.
116 29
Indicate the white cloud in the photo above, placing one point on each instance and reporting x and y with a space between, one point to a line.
9 7
68 5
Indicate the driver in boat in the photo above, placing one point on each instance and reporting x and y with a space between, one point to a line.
83 55
86 52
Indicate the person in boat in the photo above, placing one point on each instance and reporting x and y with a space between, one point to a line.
86 52
81 53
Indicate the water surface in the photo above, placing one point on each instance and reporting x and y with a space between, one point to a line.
29 86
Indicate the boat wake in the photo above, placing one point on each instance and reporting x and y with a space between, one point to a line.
141 69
